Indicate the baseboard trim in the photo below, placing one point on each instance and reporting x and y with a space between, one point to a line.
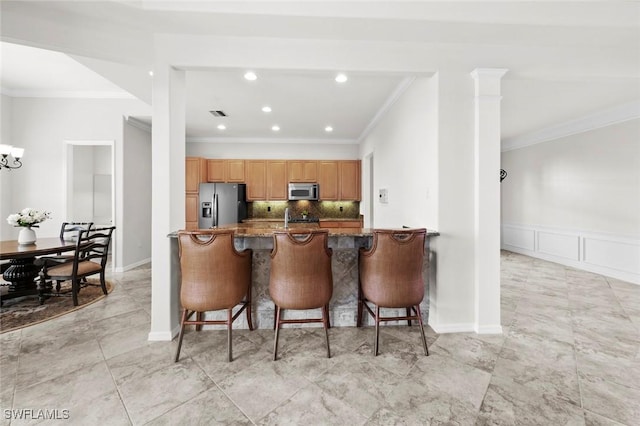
133 265
489 329
452 328
610 255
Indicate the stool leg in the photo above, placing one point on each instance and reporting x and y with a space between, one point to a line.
424 339
229 322
325 322
409 314
377 318
360 307
198 318
248 308
184 318
277 326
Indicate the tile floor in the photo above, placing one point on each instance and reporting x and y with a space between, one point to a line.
569 355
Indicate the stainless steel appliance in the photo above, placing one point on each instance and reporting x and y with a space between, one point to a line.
304 191
221 204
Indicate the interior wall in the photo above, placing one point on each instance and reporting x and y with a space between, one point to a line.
6 177
136 197
588 181
273 151
404 146
41 126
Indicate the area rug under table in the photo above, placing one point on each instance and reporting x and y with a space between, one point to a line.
25 311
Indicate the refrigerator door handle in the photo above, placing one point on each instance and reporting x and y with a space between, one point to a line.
215 210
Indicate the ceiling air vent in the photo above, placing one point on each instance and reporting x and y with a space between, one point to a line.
218 113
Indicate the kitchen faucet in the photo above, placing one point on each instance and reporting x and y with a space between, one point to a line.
286 218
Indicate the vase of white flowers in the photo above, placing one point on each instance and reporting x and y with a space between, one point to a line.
27 219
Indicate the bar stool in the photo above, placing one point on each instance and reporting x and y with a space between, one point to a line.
300 277
215 276
391 277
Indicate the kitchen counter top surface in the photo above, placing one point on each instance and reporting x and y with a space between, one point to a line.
326 219
266 230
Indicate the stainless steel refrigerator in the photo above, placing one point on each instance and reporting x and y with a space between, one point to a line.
221 204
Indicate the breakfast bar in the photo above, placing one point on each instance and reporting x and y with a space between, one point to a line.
345 243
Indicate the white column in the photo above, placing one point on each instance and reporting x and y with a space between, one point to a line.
168 174
487 199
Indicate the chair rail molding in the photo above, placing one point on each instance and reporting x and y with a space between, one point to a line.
612 255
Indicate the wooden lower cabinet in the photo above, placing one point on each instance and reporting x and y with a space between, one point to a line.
340 224
191 211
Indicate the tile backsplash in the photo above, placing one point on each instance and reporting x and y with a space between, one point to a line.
320 209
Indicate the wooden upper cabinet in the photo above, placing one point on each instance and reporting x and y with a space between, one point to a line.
216 170
350 180
235 171
328 180
225 170
303 171
195 172
256 179
277 188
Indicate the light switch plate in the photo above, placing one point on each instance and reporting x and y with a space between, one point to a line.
384 195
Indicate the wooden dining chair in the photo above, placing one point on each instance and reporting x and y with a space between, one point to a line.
89 258
391 277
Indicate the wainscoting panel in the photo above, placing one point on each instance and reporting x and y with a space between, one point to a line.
621 255
558 244
610 255
519 237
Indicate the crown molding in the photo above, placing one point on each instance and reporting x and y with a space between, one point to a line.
272 140
400 89
139 124
85 94
618 114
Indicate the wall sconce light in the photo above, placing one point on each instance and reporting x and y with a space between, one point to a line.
10 157
503 174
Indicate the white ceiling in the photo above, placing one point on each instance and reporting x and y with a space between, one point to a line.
565 59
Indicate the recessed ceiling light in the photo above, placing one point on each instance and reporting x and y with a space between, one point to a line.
266 108
151 73
341 78
221 126
251 76
275 128
328 129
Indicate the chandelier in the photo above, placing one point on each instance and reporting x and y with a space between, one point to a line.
10 157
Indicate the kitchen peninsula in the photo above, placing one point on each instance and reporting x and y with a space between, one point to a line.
345 242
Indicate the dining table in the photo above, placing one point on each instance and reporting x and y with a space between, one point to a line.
23 271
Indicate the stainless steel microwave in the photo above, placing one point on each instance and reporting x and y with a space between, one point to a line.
304 191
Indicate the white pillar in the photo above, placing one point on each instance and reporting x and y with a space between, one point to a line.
487 199
167 200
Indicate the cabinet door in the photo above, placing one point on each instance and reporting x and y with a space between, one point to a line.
328 180
235 171
324 224
303 171
350 180
193 174
277 180
191 211
256 179
216 170
351 224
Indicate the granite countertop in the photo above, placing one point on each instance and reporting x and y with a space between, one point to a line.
266 230
325 219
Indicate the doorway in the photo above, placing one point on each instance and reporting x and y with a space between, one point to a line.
90 182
